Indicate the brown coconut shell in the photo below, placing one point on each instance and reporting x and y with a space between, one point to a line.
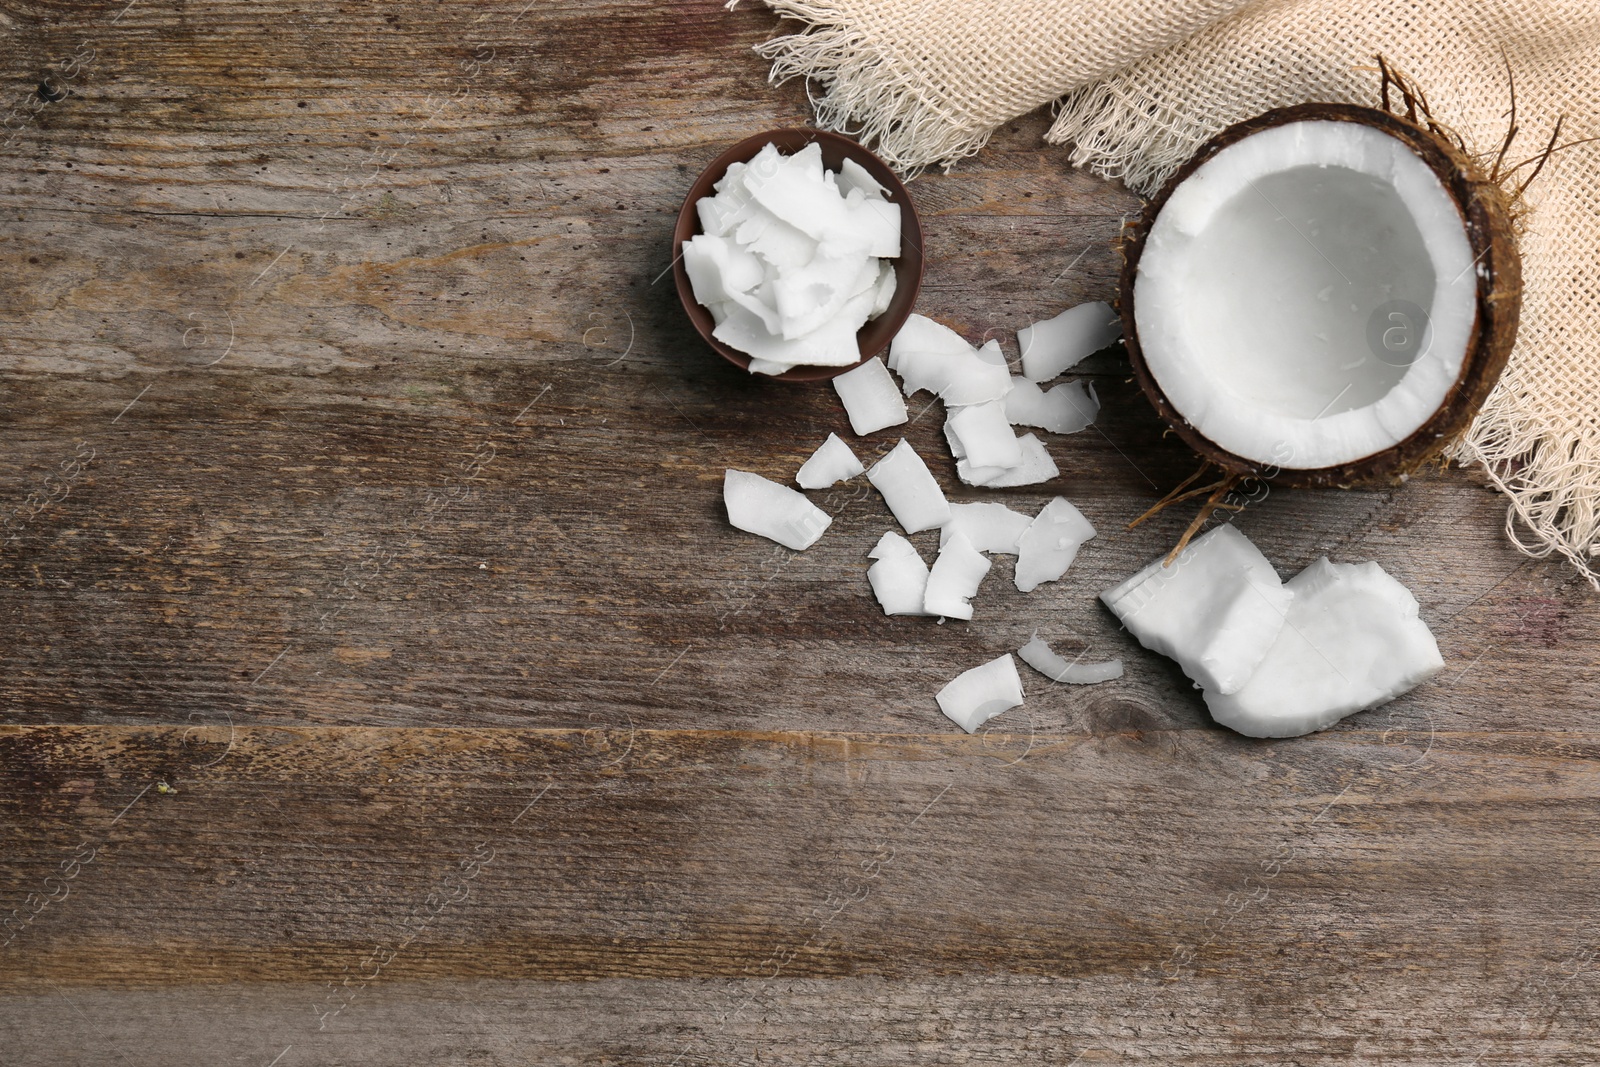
1486 212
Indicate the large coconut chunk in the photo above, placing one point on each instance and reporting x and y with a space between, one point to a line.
871 398
1036 467
831 463
1044 659
909 489
1217 610
764 507
1050 544
1352 639
954 578
974 697
1067 408
991 527
1051 347
899 577
984 434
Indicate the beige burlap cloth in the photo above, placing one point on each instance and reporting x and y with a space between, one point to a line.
1141 83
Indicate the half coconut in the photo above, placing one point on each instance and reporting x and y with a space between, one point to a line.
1323 295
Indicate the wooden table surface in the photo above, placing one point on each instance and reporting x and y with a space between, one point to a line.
383 684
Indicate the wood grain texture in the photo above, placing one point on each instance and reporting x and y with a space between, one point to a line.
1141 892
360 484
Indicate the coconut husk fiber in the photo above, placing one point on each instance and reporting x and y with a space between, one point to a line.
1140 84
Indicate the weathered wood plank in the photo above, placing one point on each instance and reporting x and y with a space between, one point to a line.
1235 887
288 552
1207 1021
345 407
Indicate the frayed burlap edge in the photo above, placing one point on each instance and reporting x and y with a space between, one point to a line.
867 92
1553 481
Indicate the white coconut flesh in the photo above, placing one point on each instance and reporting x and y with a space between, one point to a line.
899 578
1051 347
761 506
1261 279
830 464
1038 654
989 526
1216 609
954 578
978 695
1066 408
794 258
871 399
1050 543
984 434
1036 467
929 356
1352 639
909 488
1278 659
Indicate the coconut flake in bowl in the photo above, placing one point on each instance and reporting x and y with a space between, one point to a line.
799 254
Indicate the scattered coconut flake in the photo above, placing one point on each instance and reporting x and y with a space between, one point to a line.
1044 659
974 697
1067 408
1352 639
957 449
909 489
871 398
1055 345
899 577
1036 467
762 506
922 335
1050 544
984 434
954 578
1217 610
831 463
929 356
990 526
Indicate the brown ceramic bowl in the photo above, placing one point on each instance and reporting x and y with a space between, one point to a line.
878 332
